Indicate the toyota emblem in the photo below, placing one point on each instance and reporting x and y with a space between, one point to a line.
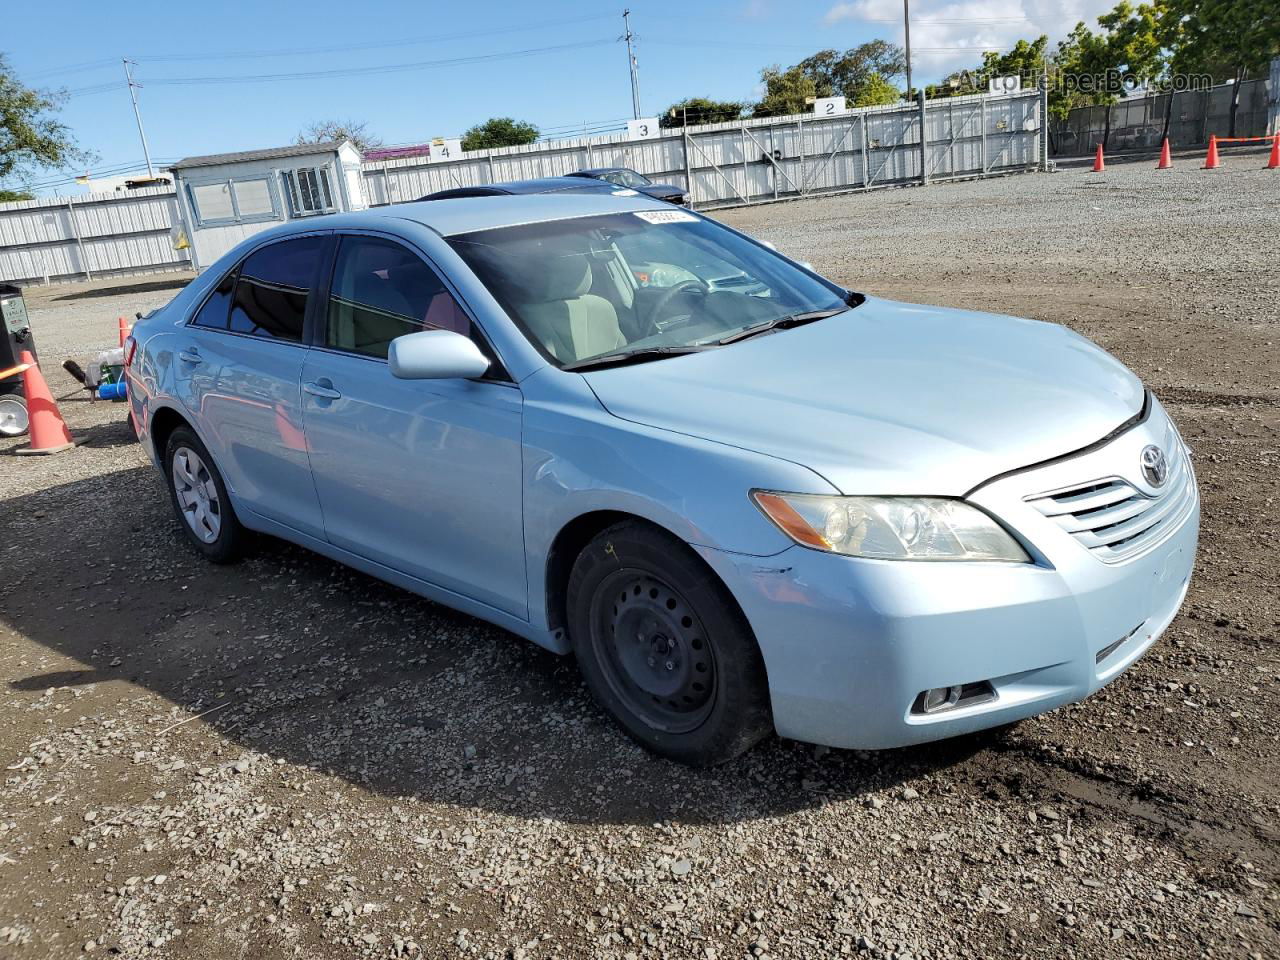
1155 467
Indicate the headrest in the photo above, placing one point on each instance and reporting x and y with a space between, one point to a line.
558 278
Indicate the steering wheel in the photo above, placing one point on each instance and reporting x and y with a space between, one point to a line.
673 291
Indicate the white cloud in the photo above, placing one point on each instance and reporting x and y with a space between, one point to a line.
947 36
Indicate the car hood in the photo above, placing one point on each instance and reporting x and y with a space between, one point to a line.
660 190
889 398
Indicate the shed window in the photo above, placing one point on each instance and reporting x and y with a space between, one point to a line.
236 200
308 191
213 201
253 198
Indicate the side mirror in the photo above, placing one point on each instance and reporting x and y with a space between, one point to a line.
436 355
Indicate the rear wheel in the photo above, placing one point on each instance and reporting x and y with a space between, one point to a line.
200 498
663 647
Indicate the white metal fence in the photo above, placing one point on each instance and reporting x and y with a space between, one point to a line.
751 161
99 234
720 164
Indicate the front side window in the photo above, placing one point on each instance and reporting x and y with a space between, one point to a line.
642 284
272 287
382 290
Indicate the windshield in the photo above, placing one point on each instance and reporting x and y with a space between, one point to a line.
644 282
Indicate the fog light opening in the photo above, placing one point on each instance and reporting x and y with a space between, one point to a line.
941 699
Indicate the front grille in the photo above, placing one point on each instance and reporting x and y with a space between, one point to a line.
1115 520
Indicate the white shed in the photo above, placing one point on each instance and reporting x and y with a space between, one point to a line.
226 197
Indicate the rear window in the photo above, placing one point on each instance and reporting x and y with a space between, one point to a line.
272 289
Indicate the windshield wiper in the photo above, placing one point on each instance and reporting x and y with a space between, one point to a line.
780 323
641 355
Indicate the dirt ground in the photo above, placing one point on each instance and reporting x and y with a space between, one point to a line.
286 758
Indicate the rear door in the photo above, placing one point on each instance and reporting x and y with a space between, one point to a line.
423 476
238 367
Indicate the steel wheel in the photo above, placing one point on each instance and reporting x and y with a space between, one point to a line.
653 651
197 494
13 416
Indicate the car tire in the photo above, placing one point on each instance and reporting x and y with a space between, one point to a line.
664 648
199 498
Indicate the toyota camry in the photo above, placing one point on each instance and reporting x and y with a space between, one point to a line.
744 498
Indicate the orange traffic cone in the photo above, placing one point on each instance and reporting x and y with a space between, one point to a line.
123 325
1211 158
48 431
1274 162
1166 161
1099 164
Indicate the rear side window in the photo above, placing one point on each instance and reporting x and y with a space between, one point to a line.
271 291
215 310
382 290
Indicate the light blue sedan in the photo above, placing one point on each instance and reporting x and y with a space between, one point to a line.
745 498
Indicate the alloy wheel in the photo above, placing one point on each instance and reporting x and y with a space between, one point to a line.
197 494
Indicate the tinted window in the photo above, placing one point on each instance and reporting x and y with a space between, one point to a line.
271 292
215 309
382 290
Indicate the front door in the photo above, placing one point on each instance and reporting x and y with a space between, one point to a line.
237 370
423 476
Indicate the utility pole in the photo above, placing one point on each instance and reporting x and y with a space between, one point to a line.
906 26
138 116
631 62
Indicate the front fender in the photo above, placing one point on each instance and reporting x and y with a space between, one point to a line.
580 459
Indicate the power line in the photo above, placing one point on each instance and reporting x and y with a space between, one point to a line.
311 51
373 70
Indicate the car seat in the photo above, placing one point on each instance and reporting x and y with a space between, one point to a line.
571 323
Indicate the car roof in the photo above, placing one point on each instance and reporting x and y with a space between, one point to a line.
513 187
468 214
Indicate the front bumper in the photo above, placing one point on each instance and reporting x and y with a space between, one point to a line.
849 644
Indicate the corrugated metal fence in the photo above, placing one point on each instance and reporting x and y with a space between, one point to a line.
751 161
722 164
98 234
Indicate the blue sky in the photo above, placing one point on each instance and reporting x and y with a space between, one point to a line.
713 49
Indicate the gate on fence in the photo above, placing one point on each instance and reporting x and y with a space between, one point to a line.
760 160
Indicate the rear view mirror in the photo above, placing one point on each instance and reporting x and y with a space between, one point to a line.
436 355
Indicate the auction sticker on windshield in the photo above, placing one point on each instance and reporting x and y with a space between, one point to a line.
666 216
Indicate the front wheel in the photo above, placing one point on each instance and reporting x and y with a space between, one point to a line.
200 498
664 649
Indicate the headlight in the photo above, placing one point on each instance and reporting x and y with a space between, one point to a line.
890 528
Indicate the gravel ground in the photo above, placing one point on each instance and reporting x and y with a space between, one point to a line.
285 758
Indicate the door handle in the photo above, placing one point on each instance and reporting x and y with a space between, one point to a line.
321 388
191 355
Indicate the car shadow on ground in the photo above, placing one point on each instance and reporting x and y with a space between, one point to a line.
125 289
298 658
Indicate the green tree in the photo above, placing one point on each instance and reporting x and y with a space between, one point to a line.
330 131
499 132
849 74
31 137
702 110
785 91
1227 39
876 91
